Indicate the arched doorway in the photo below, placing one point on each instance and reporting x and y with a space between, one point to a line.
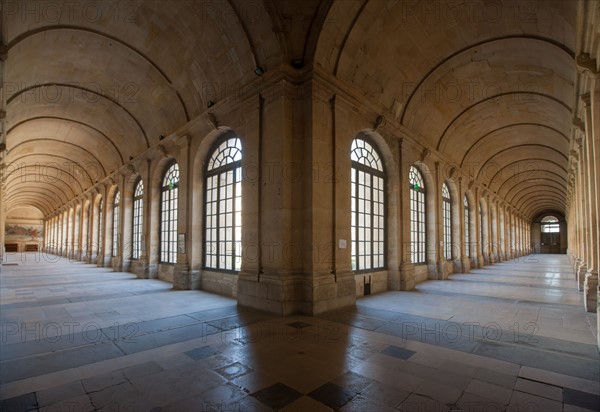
549 234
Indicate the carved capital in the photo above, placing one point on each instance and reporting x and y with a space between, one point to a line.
379 122
579 124
585 63
587 100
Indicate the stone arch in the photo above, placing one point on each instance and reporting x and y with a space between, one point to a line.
207 145
388 277
109 216
164 272
456 204
431 204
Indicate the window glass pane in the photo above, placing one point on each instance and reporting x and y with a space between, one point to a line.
224 189
367 198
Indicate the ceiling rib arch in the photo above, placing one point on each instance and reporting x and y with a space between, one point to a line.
553 42
114 146
85 90
506 127
59 193
81 169
496 96
516 147
535 160
138 52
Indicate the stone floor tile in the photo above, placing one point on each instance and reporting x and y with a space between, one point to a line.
332 395
53 395
440 392
521 401
277 396
22 403
498 394
422 403
387 395
581 399
540 389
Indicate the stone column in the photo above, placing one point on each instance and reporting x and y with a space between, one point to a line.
406 267
128 179
592 131
183 276
85 224
440 259
464 260
582 190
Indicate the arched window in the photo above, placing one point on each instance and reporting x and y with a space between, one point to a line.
417 215
116 208
368 207
481 230
447 221
138 219
100 233
168 214
550 225
223 207
467 227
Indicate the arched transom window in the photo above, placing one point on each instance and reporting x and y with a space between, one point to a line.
138 219
447 221
168 214
467 226
116 210
368 207
550 225
223 207
417 215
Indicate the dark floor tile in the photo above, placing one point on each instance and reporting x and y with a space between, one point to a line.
202 352
299 325
397 352
581 399
332 395
23 403
277 396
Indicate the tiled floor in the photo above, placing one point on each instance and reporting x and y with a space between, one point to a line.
513 336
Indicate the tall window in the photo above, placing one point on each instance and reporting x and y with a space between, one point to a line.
447 221
138 219
116 208
417 215
168 215
481 229
368 207
550 225
467 227
223 208
100 233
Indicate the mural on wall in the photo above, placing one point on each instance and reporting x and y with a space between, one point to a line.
30 232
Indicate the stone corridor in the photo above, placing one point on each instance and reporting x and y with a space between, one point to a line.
511 336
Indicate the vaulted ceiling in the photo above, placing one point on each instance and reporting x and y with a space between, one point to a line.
489 84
